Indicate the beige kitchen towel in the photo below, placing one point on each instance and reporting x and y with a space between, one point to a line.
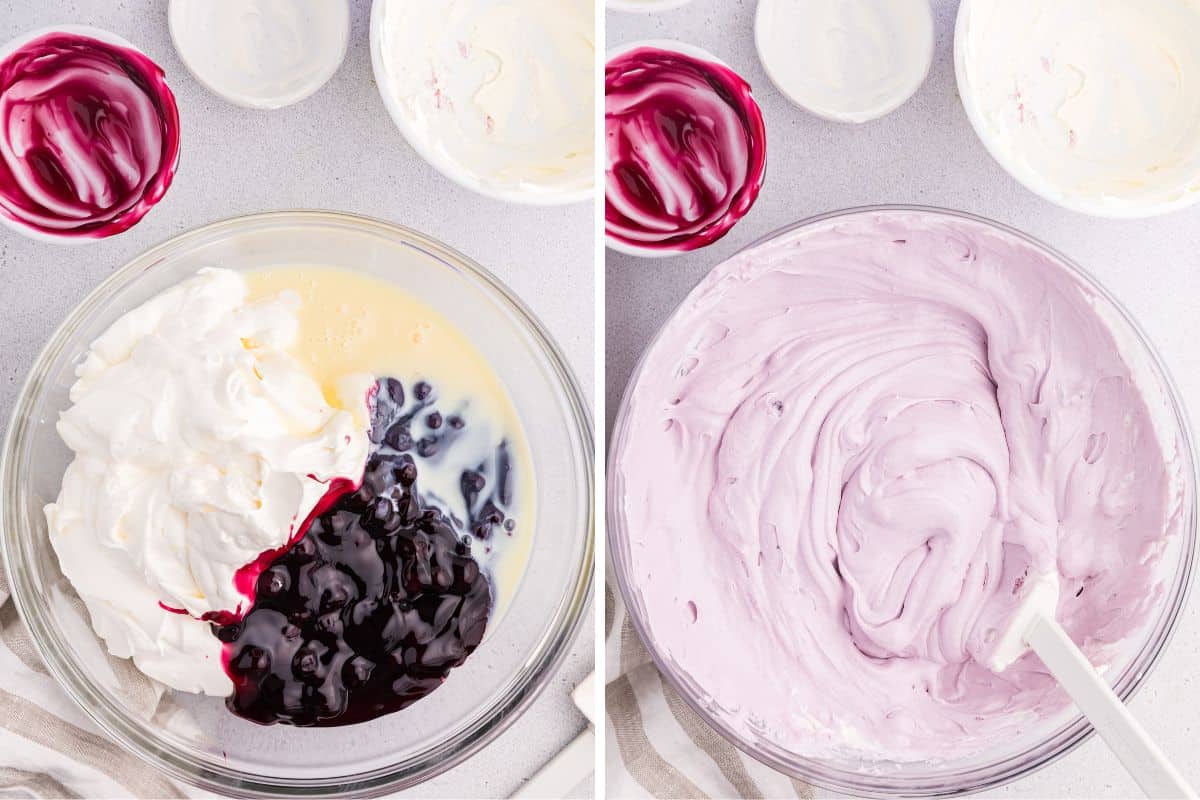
657 745
48 747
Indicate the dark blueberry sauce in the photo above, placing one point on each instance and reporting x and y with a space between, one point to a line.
379 597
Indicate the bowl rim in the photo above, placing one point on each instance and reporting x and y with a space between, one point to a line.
538 667
446 166
696 53
1030 179
1065 738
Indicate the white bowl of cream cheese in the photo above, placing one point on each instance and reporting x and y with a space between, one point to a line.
845 60
497 95
1092 104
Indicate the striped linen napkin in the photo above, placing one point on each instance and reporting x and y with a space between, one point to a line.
657 745
48 746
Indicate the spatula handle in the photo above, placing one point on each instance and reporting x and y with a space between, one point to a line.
1126 738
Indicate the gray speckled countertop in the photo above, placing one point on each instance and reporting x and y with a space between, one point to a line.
927 153
336 150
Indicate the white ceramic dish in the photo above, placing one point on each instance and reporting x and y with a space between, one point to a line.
575 186
1173 187
222 41
899 30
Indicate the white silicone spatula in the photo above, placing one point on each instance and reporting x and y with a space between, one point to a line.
1035 626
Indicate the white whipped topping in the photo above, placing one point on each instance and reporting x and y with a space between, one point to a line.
846 60
496 93
199 444
1092 103
261 53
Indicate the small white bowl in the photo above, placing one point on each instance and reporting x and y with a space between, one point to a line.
209 60
1182 193
644 6
686 49
107 37
913 45
440 160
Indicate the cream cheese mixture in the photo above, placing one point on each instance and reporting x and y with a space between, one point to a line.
261 53
1092 102
501 91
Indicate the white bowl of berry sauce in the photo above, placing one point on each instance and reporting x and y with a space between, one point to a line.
195 738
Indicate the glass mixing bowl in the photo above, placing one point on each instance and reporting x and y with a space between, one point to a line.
194 738
1040 745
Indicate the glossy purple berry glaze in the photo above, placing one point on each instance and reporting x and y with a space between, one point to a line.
374 604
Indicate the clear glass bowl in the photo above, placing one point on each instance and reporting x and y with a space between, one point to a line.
194 738
1039 747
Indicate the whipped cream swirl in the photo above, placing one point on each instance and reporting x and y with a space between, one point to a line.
853 452
686 149
200 444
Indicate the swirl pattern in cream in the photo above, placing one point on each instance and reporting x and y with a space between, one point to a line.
89 136
686 149
850 453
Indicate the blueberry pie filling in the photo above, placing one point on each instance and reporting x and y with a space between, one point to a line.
379 595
